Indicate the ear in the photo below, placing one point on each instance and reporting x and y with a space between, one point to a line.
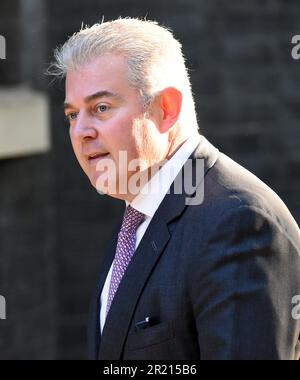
170 104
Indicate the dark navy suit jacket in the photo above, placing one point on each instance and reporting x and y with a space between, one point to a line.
216 279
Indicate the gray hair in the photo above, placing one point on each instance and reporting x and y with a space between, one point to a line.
154 57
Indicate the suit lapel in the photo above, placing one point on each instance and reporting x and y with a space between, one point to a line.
131 286
145 258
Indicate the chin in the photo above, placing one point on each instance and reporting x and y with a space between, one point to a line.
93 180
103 185
93 183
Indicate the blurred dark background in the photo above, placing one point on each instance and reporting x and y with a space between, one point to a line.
54 227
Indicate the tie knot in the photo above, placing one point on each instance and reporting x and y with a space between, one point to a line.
132 219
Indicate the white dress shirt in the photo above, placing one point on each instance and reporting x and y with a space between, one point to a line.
149 199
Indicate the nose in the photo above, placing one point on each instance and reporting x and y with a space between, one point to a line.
84 128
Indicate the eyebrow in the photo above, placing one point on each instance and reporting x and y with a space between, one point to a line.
99 94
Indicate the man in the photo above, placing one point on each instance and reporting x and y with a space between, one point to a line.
203 271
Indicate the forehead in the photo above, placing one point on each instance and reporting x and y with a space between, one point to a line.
106 73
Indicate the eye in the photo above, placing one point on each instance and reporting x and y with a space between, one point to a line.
71 116
102 108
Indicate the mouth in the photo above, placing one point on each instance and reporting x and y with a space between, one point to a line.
95 157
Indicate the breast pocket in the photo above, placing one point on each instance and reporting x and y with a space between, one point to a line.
150 336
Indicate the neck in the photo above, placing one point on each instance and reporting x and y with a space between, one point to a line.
178 140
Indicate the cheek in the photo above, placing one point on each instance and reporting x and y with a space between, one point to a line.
141 134
148 140
121 135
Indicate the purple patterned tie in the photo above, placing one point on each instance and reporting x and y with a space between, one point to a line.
125 249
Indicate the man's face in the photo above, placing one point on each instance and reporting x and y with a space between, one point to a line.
106 116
